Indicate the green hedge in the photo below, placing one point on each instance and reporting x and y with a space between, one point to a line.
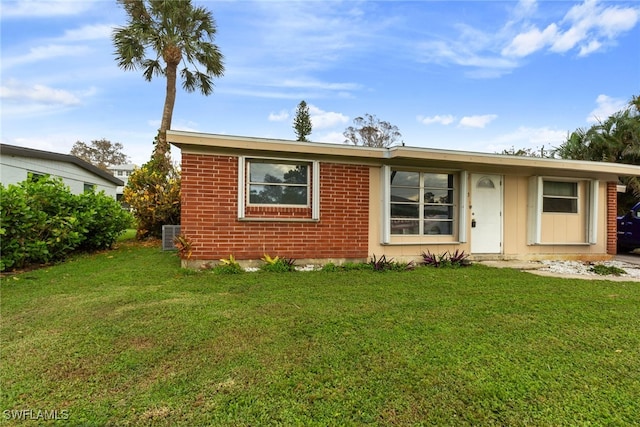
42 221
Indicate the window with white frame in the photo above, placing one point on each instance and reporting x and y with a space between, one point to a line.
278 183
421 203
550 196
273 183
559 197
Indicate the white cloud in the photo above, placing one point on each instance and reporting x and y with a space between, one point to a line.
487 64
614 20
317 34
588 27
525 8
325 119
606 106
43 8
62 142
46 143
279 117
593 46
88 32
568 40
531 41
534 139
527 137
41 53
315 84
443 120
185 125
332 137
16 91
477 121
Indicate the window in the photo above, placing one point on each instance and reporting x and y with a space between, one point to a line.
120 173
550 196
422 203
278 183
560 197
88 188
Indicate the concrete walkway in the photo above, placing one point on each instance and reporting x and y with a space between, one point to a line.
630 258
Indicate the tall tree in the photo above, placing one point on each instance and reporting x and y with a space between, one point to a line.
302 122
617 139
528 152
158 37
369 131
101 153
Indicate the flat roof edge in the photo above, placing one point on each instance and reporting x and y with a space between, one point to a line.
400 153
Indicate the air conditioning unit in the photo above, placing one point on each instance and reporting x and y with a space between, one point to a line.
168 234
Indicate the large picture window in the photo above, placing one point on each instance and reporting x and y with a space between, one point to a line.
560 197
422 203
278 183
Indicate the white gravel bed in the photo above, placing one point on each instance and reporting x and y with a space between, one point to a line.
561 268
584 268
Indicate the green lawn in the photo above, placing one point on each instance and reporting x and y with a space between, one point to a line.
126 337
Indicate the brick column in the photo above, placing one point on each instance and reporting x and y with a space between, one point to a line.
612 214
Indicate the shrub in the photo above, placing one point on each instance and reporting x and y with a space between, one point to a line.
228 266
184 246
384 264
380 264
459 259
277 264
42 221
104 220
606 270
330 268
446 259
154 196
403 266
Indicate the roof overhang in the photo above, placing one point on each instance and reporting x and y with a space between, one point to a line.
192 142
12 150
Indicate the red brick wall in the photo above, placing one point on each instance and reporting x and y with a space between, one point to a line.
210 214
612 212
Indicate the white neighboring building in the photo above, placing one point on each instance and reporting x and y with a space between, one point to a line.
122 172
16 163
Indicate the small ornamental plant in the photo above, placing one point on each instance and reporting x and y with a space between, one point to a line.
459 259
228 266
446 259
381 264
389 264
277 264
184 246
607 270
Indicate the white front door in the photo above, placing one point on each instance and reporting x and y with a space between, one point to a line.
486 214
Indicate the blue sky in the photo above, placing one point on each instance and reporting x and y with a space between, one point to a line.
465 75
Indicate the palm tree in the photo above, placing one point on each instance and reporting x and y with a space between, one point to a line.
171 32
616 139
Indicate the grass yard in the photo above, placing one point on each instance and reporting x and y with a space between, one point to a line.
126 337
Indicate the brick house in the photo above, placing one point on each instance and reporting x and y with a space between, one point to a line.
319 202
